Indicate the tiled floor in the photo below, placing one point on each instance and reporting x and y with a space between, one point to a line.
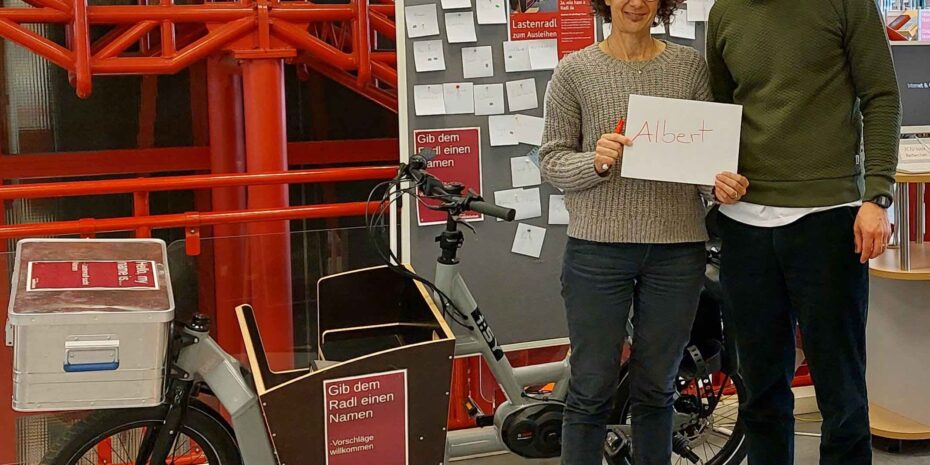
806 453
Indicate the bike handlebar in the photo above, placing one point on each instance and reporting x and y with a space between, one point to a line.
432 186
497 211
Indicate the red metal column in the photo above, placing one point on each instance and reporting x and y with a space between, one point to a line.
7 418
269 243
227 155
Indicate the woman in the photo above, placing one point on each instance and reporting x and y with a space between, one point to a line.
631 242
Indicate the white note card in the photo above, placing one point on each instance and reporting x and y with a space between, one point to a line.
606 29
529 240
544 54
681 27
521 95
517 56
455 4
658 30
422 20
558 214
524 173
530 129
478 62
459 98
502 130
681 141
428 56
428 100
491 11
489 99
460 27
699 10
524 201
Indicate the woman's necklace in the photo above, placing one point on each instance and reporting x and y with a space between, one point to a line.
636 65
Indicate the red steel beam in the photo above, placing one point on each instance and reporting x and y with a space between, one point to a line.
199 181
81 43
333 152
300 38
385 73
362 46
122 42
38 44
185 220
35 15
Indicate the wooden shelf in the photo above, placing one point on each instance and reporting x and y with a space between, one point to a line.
912 178
890 425
887 267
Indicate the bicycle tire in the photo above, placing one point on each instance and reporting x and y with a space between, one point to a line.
733 452
214 437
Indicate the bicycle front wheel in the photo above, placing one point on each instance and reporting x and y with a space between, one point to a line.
116 437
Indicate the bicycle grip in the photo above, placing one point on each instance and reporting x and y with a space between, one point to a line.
507 214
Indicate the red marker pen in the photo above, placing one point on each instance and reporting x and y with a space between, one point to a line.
619 130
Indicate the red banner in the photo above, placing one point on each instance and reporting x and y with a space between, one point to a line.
457 159
571 22
87 276
366 419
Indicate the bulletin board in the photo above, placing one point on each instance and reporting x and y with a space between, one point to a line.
520 295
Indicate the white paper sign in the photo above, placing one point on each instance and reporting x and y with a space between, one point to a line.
521 95
489 99
681 27
530 129
491 11
524 173
914 156
460 27
544 54
455 4
428 56
699 10
529 240
459 98
558 214
517 56
525 201
477 62
681 141
502 130
428 100
422 20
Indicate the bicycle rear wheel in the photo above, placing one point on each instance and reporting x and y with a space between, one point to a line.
116 436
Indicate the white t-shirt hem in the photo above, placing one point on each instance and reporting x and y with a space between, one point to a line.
764 216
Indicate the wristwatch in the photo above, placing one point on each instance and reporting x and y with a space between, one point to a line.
882 200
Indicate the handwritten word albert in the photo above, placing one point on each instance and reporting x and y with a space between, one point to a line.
660 134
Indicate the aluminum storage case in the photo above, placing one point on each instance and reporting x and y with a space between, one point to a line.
91 321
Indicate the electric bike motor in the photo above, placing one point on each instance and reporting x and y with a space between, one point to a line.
535 431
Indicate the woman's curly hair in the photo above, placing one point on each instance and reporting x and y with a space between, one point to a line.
663 16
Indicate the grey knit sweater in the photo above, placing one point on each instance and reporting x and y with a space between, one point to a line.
588 95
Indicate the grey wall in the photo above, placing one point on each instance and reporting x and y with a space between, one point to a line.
519 295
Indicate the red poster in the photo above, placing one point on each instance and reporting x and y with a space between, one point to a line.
92 275
457 159
366 419
571 22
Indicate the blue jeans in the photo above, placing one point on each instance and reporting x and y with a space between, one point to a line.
774 278
600 284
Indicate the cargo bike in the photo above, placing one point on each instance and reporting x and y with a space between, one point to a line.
163 391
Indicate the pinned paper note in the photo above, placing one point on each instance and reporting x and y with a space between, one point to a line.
517 56
455 4
428 56
422 20
428 100
558 214
530 129
477 62
489 99
544 54
681 27
524 173
502 130
460 27
521 95
529 240
459 98
525 201
699 10
491 11
681 141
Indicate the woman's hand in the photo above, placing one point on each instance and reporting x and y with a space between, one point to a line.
730 187
609 150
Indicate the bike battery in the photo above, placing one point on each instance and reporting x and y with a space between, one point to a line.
91 321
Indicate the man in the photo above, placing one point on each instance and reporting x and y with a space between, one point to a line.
816 80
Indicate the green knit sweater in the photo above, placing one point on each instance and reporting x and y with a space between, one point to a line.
815 79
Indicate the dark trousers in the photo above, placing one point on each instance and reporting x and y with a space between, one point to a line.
600 282
803 273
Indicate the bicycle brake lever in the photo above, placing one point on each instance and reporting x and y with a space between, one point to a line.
472 228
